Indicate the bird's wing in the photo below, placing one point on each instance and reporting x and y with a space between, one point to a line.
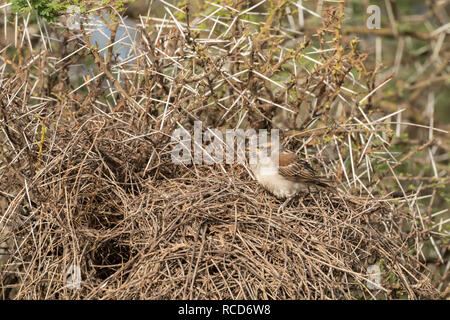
295 169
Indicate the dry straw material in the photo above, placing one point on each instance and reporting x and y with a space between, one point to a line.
89 186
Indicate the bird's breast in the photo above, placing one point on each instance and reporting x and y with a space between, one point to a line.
270 179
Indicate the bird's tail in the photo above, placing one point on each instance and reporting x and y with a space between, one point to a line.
326 182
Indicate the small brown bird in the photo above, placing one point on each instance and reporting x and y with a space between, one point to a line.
292 175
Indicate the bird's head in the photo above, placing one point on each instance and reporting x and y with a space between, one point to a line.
262 154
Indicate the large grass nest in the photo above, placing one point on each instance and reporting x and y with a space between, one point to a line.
89 187
195 233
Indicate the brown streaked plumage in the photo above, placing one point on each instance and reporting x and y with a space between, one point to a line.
296 169
292 175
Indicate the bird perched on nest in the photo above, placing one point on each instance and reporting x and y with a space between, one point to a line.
288 176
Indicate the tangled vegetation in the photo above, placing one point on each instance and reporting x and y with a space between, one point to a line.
87 182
